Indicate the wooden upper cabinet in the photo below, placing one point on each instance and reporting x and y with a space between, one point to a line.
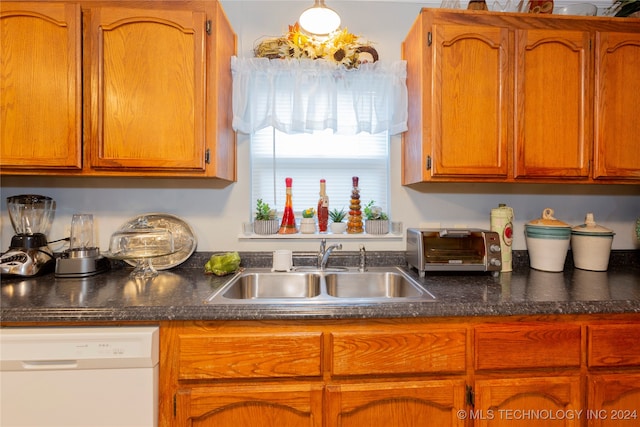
470 103
148 89
40 86
502 97
553 131
117 88
458 81
617 148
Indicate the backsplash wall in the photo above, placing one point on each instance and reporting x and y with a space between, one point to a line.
216 209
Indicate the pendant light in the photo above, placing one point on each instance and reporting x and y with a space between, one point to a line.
319 19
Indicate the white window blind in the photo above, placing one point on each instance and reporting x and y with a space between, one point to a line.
307 158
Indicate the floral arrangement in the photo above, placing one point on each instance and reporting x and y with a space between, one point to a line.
340 47
372 212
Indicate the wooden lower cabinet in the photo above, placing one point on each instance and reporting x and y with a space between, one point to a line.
570 371
395 404
614 400
538 401
297 405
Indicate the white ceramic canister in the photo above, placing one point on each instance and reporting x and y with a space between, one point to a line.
547 242
591 245
502 223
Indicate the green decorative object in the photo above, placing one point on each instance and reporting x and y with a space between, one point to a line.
223 264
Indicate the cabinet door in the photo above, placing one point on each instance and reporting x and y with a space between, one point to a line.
470 105
553 117
396 404
617 96
250 406
40 86
148 89
614 400
543 401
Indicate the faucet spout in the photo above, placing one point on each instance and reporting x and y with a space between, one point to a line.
363 260
323 255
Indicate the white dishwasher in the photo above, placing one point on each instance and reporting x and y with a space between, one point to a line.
79 377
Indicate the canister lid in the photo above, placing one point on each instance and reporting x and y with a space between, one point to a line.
548 220
590 227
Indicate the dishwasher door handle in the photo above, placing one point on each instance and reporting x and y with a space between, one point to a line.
32 365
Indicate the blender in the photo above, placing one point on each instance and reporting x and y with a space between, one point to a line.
83 258
29 255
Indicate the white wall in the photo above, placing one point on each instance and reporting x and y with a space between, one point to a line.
216 210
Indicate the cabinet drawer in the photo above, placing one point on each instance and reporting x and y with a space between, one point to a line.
527 346
613 345
274 355
362 353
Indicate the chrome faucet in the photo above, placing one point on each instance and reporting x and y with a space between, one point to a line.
323 254
363 260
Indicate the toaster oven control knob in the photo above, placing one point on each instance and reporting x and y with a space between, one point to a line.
494 248
495 261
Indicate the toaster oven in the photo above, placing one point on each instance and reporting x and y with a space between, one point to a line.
442 249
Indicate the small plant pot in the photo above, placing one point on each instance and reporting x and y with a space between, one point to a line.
377 226
307 225
262 226
338 227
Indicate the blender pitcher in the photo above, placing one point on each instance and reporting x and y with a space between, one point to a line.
29 255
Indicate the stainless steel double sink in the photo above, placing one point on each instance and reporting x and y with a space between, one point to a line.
260 286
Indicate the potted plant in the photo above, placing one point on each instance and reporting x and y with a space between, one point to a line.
265 221
337 216
377 222
308 222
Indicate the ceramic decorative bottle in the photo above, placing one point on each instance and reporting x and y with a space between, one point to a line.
288 224
502 223
323 208
354 224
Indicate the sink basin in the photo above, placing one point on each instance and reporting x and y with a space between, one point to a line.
274 285
371 285
312 286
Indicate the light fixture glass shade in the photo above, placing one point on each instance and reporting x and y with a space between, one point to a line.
319 19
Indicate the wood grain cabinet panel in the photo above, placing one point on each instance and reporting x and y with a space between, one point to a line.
617 92
249 406
150 88
370 353
40 86
550 111
613 345
458 116
396 404
259 355
614 400
518 346
537 401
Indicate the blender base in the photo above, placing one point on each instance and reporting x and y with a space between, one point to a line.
81 267
26 262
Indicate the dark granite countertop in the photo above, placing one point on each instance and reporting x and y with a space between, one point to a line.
180 293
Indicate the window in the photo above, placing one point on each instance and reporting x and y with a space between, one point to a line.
310 120
307 158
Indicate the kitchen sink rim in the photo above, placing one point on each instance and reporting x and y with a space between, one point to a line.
323 297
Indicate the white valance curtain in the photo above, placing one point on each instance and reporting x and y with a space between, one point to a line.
304 95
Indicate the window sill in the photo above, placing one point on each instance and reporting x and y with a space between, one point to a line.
318 236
